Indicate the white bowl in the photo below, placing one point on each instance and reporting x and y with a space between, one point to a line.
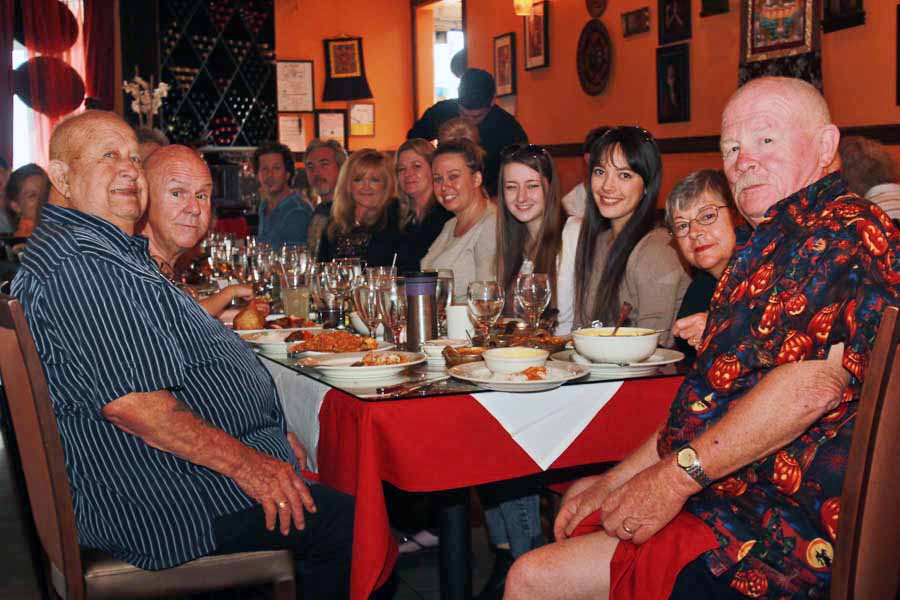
435 348
514 359
361 328
629 345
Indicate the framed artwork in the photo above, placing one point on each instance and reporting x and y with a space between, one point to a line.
537 42
505 63
362 118
343 57
594 57
332 125
709 8
295 84
636 21
674 21
841 14
776 29
673 84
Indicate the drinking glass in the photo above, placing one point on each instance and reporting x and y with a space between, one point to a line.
392 305
486 299
443 297
533 295
365 299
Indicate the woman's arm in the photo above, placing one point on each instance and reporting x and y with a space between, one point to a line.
486 249
657 280
565 276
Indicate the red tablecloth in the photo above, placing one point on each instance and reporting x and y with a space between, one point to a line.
447 442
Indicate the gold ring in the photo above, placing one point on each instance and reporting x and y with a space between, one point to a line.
627 530
282 505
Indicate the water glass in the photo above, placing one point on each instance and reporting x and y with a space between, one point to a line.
485 299
392 305
443 297
365 300
533 295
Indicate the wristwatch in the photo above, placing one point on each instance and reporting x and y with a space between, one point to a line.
689 461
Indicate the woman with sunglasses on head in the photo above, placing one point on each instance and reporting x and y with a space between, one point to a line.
702 216
467 243
623 256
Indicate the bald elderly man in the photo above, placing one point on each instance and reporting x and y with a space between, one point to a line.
174 438
178 214
738 494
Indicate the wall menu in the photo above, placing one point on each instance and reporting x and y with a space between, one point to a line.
296 91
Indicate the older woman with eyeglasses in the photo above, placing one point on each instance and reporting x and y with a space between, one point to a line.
701 214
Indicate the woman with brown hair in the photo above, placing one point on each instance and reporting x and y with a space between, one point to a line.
365 219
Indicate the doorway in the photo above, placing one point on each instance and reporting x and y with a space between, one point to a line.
439 51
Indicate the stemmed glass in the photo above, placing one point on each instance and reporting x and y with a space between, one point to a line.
392 305
533 294
486 299
365 299
443 297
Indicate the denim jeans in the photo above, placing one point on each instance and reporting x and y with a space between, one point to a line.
512 515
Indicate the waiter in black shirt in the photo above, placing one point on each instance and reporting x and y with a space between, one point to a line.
496 127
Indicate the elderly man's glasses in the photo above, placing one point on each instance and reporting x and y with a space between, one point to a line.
705 217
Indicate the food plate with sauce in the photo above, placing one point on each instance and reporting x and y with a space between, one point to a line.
556 375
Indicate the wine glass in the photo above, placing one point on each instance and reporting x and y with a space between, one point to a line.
486 299
533 294
392 305
365 299
443 297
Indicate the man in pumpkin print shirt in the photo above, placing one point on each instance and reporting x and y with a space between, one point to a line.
748 468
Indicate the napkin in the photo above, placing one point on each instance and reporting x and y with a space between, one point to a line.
301 398
544 424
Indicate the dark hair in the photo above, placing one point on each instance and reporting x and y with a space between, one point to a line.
149 134
866 163
643 158
687 191
591 138
4 164
512 233
476 89
17 179
470 151
275 148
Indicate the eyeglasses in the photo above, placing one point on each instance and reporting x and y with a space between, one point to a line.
705 217
518 152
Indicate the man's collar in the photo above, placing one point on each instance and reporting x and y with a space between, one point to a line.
70 216
805 200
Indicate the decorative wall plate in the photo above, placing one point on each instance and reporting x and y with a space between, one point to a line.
594 58
595 8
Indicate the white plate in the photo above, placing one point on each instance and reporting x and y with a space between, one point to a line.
338 366
379 347
435 348
478 373
662 356
272 341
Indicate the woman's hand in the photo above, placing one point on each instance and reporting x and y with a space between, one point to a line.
691 328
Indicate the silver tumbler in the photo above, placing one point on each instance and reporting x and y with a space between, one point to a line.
421 316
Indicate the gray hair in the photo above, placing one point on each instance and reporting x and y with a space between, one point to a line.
866 163
149 134
340 155
688 191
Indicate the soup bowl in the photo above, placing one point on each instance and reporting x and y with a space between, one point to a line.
629 345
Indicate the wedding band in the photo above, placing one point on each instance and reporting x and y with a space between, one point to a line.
282 505
627 529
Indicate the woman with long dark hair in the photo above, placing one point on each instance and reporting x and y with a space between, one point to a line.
623 255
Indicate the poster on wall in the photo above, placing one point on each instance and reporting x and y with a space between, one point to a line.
673 84
775 29
332 125
345 70
362 118
291 132
674 21
505 63
296 90
537 44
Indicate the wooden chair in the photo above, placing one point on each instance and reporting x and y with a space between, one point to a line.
75 573
866 563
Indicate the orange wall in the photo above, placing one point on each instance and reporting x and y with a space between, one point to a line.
858 70
384 25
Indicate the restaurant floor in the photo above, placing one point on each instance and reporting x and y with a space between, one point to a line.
416 575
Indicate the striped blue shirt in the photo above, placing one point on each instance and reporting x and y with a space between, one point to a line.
107 324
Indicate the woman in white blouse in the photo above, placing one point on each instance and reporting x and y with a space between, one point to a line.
467 243
530 227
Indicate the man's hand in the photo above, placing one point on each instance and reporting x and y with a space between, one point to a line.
297 447
277 487
647 502
582 499
690 328
239 290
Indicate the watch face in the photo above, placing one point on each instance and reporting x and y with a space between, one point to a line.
686 457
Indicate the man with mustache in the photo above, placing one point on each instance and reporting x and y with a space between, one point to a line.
324 159
738 493
178 214
283 214
174 438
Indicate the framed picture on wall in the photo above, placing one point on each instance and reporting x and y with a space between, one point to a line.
777 30
332 125
636 21
362 118
674 21
343 57
295 85
673 84
505 63
537 43
841 14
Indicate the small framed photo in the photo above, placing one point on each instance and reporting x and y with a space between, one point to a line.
343 55
537 42
776 31
332 125
505 63
674 21
673 84
295 85
362 118
636 21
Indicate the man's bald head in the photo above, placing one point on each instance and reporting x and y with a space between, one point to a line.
180 201
777 138
72 134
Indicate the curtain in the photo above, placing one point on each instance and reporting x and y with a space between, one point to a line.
99 39
6 79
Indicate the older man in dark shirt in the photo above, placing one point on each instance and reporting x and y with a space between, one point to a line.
174 439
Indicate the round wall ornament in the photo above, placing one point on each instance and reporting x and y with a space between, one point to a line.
595 8
594 57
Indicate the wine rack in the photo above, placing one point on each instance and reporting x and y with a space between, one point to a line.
218 57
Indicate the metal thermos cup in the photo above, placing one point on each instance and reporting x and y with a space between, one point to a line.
421 316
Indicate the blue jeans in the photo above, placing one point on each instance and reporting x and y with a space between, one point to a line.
512 515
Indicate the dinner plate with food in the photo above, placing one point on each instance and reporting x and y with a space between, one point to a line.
530 379
363 366
311 342
275 341
648 366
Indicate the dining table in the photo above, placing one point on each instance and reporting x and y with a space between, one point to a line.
448 437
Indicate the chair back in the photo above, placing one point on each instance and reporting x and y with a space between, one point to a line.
40 447
865 560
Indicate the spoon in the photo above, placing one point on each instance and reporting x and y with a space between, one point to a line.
623 314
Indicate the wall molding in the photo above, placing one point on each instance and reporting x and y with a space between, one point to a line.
886 134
